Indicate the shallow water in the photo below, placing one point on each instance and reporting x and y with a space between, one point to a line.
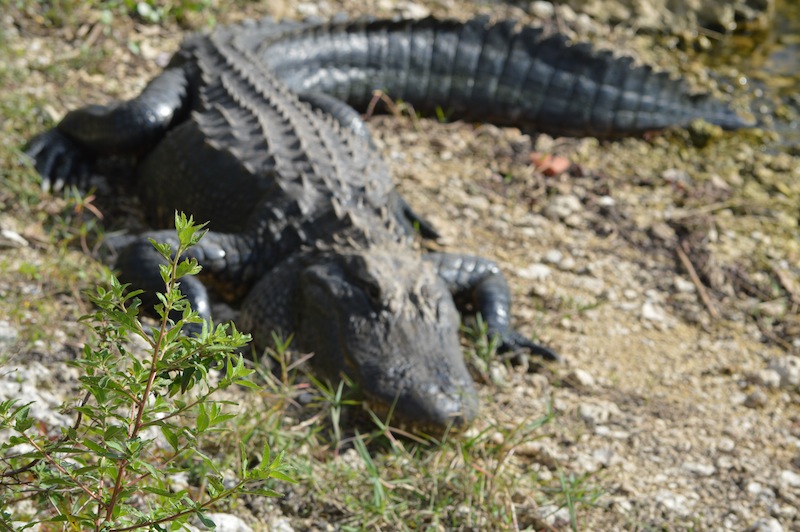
774 66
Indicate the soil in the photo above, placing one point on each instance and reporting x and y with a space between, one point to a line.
665 270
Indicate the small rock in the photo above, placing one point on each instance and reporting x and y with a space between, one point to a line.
766 524
662 232
757 399
568 264
653 312
561 207
599 412
10 239
280 524
788 367
768 378
557 518
498 373
553 256
535 272
602 430
683 286
790 478
541 9
698 469
606 201
412 10
580 379
308 9
674 502
725 445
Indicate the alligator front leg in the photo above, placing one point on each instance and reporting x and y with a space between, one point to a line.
479 282
64 154
226 258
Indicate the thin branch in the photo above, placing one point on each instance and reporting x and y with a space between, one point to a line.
701 289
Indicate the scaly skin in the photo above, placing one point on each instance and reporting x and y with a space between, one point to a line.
483 72
301 206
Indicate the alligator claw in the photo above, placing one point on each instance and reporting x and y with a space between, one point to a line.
511 341
58 160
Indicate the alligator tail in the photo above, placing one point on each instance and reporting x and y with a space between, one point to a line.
485 72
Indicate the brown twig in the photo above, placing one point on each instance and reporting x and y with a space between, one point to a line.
788 285
701 289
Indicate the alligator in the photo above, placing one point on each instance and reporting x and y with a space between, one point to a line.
251 126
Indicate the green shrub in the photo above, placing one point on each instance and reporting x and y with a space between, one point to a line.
140 420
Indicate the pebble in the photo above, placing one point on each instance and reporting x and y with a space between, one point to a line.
553 256
280 524
790 478
683 286
541 9
558 518
10 239
757 399
580 378
599 412
725 445
674 502
788 367
561 207
765 524
593 285
602 430
698 469
653 313
768 378
498 373
535 272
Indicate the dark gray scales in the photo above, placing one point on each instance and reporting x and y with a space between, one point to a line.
253 128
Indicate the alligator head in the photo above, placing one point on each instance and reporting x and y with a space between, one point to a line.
388 321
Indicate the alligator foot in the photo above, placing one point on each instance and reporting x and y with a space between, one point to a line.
512 342
58 160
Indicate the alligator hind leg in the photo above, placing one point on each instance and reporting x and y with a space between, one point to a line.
64 154
479 282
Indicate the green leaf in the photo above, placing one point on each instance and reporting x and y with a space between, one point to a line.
264 492
170 436
158 491
21 420
202 418
279 475
206 521
265 456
